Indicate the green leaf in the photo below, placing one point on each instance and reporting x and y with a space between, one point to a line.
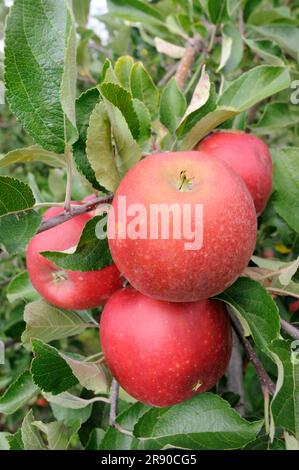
226 50
271 264
94 439
68 87
204 422
286 177
259 83
271 15
15 319
172 105
20 287
4 441
143 88
69 415
254 305
285 404
35 46
31 437
267 50
169 49
81 11
91 375
128 152
16 230
99 149
232 6
84 107
91 253
122 69
58 435
49 370
113 439
241 94
15 196
2 91
286 274
121 99
120 43
291 443
144 119
202 102
15 441
191 122
18 394
69 401
217 10
236 51
48 323
285 35
32 154
135 11
108 74
276 117
83 165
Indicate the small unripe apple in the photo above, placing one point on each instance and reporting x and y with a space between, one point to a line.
71 290
248 156
166 268
162 353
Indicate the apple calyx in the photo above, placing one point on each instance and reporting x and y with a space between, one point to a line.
59 276
185 183
197 386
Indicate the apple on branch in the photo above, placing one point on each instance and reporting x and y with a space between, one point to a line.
162 353
71 290
248 156
162 267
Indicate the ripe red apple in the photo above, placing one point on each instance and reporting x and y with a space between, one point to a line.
248 156
294 306
163 268
162 353
73 290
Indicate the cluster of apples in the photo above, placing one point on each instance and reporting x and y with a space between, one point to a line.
163 338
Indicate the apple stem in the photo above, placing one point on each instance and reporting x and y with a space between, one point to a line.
113 402
184 67
114 393
266 383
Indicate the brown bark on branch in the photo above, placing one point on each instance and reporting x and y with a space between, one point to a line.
77 210
113 402
187 61
268 387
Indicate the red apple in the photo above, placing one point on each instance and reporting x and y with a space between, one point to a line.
294 306
248 156
164 268
73 290
162 353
